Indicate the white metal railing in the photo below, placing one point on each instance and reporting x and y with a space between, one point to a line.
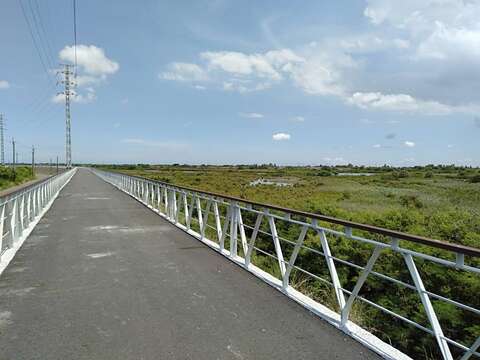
248 233
21 210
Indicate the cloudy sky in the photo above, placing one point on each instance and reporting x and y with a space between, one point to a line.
224 81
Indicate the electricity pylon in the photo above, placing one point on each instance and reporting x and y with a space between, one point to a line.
2 144
68 92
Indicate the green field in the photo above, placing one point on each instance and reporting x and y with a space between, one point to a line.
9 178
436 202
440 202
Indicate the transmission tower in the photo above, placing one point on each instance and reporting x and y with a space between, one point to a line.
68 92
2 144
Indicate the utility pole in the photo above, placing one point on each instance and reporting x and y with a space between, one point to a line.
13 155
69 84
2 145
57 164
33 161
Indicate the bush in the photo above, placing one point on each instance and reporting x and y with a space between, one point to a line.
411 201
475 179
324 173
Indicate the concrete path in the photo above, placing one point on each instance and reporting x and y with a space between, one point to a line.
103 277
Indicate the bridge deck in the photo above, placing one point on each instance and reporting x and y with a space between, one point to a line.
102 277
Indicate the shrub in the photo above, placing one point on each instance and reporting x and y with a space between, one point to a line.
411 201
475 179
324 173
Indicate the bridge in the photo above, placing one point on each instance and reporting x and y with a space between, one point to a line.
100 265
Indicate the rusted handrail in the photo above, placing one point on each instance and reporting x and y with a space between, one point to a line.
440 244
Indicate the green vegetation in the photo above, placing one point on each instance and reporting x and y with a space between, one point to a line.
440 202
9 178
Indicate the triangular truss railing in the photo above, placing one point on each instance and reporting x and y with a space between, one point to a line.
183 207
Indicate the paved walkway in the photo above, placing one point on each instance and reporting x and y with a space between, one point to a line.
102 277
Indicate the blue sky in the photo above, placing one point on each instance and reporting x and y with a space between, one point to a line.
223 81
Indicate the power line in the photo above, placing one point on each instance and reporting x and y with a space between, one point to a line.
35 41
45 37
75 33
41 38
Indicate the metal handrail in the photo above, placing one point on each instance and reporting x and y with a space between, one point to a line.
189 210
441 244
21 210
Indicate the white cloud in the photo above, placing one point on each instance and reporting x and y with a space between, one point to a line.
281 136
377 146
446 43
410 144
252 115
241 64
180 71
401 43
88 97
236 71
324 73
417 16
297 119
429 49
91 59
244 86
93 68
397 102
4 84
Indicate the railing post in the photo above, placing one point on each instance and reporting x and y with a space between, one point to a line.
29 207
241 228
332 269
218 224
146 193
345 313
228 219
276 243
165 199
233 230
199 214
293 257
472 349
34 203
21 214
427 306
152 195
13 222
253 238
2 221
205 218
174 203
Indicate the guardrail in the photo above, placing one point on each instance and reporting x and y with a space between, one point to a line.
21 210
285 248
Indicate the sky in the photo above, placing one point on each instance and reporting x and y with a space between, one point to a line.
366 82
